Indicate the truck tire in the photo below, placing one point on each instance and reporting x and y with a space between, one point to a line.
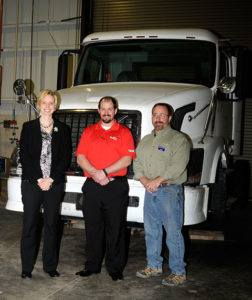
239 185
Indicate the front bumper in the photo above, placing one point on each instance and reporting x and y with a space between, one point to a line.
195 205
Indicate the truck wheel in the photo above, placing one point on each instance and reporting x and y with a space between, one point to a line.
240 182
218 197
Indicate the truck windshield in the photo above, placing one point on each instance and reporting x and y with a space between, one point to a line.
179 61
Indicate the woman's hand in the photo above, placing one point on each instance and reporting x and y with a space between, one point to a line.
45 183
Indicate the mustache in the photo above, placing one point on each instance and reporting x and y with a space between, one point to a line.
158 122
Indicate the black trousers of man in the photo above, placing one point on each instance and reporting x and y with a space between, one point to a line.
32 198
104 210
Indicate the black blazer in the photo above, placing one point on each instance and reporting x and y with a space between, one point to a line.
30 151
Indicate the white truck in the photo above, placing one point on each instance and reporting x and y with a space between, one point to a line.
191 69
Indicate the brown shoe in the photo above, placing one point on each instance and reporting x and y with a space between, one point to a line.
149 272
174 280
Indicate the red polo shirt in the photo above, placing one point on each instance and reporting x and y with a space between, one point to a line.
104 147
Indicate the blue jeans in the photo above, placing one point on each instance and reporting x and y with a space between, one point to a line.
165 207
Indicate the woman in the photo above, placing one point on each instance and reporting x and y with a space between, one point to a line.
45 150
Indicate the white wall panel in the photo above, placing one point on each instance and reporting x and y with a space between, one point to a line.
50 37
49 33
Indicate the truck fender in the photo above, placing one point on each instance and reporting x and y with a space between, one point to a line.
220 157
213 152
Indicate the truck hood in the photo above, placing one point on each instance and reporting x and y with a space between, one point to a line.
131 95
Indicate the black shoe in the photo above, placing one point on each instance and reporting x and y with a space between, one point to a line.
25 275
86 273
53 273
116 276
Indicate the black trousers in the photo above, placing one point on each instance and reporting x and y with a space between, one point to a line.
104 210
33 197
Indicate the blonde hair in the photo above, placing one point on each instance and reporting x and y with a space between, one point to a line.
43 93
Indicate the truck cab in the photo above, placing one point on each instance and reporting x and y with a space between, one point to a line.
190 69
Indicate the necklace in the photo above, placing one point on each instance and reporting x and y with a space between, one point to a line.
46 126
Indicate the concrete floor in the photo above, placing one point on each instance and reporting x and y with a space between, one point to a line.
216 269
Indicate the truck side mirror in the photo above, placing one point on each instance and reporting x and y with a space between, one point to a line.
65 68
227 85
244 74
19 87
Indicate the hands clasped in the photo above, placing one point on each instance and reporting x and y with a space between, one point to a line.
45 183
100 177
151 185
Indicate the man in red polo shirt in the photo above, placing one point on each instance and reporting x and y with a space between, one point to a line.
104 152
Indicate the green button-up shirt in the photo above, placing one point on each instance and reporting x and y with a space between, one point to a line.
165 154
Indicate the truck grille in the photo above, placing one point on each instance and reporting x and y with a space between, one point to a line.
78 120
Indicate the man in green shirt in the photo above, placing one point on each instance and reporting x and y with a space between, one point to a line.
160 165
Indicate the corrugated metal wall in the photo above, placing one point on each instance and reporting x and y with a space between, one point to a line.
247 136
231 19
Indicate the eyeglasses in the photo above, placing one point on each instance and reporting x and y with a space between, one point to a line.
161 116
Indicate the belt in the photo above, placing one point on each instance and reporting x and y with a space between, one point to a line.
116 178
164 184
110 178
